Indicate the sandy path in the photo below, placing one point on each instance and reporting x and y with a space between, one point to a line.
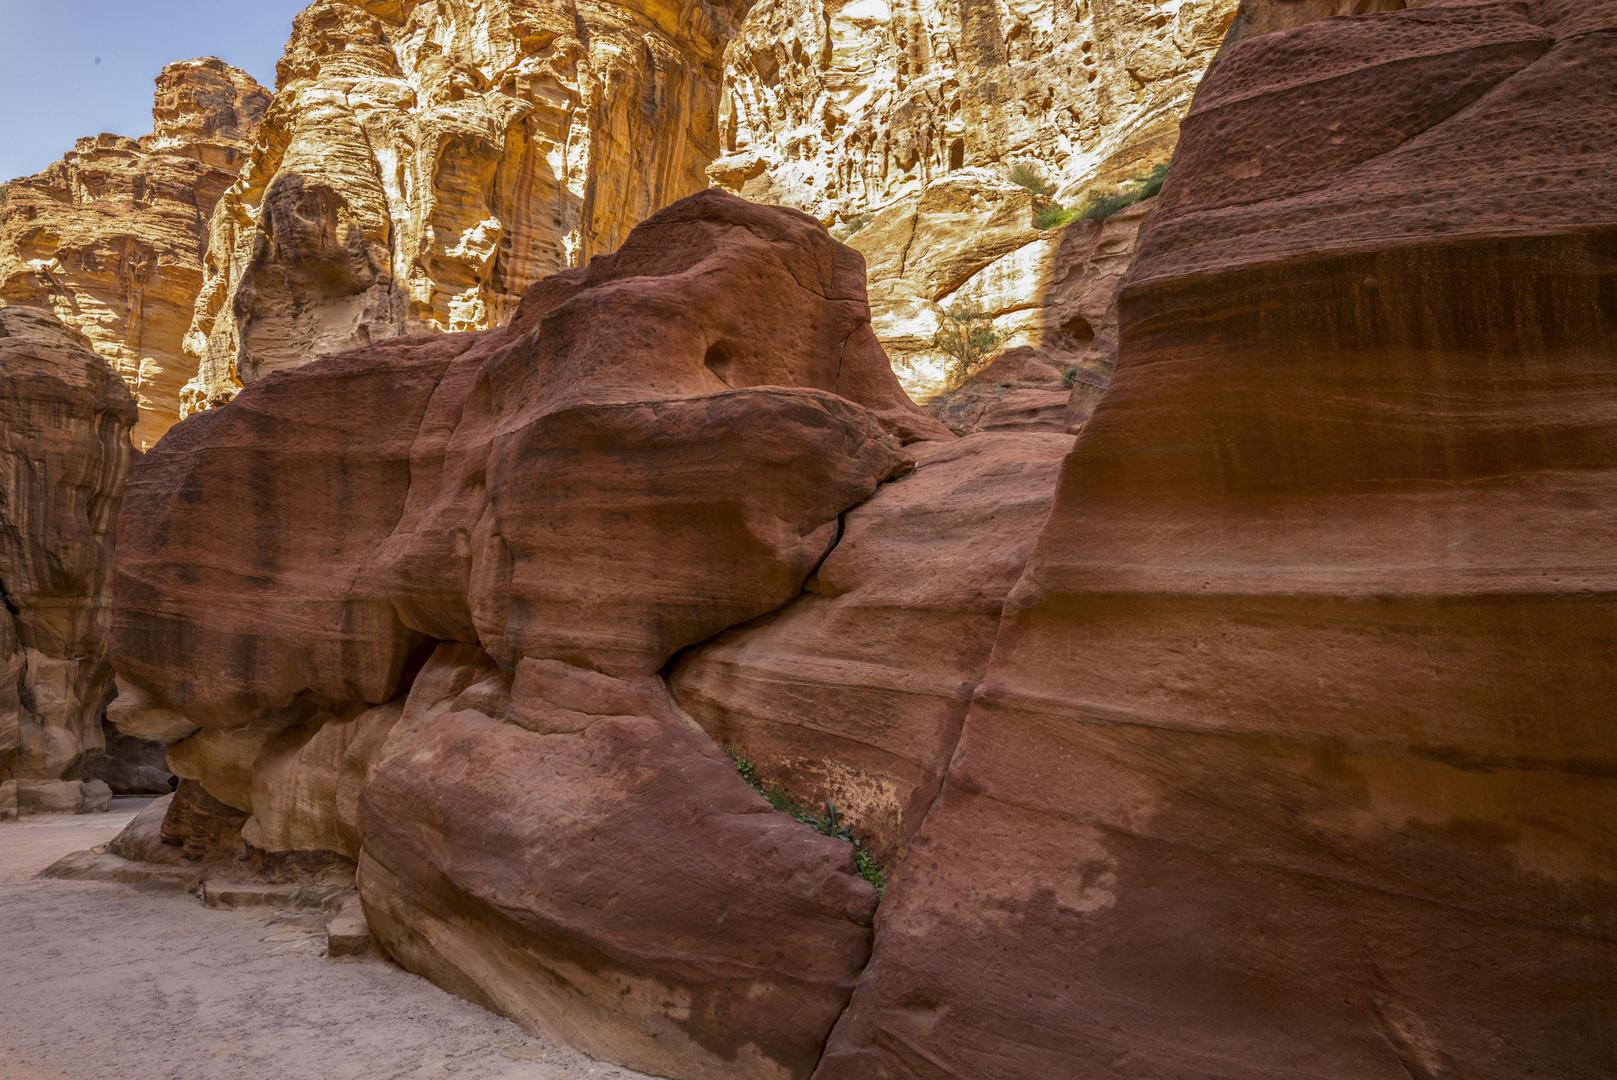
105 983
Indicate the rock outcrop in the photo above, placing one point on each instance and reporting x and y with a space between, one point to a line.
1294 756
65 419
904 122
854 693
426 162
436 626
111 239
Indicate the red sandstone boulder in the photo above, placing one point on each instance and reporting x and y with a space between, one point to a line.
660 446
1295 754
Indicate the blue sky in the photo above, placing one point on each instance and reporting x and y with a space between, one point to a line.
52 91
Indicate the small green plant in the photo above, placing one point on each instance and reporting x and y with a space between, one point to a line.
1028 176
967 337
1069 378
1100 205
1051 215
3 188
846 230
830 824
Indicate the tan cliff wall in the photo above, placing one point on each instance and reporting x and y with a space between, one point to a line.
111 238
424 163
906 117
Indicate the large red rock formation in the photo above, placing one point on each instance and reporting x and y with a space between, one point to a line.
660 446
112 237
65 419
1295 754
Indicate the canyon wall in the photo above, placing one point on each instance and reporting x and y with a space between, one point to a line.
1263 732
1294 754
424 163
65 419
902 122
111 239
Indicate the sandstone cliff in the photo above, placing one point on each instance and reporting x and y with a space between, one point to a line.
1277 747
903 122
425 162
64 452
111 239
1294 757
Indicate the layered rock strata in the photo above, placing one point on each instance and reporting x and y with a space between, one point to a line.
426 162
437 625
1294 756
112 238
65 419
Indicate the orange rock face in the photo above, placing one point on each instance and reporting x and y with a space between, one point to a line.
660 446
1295 756
111 238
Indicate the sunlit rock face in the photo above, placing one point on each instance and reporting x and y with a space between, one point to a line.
111 238
424 163
913 114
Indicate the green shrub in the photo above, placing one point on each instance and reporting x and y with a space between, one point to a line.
1100 205
967 337
1069 378
852 225
1051 215
828 825
1028 176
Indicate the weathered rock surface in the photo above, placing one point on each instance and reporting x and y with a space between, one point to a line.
111 239
854 693
843 108
910 118
1294 756
424 163
64 452
1057 351
658 447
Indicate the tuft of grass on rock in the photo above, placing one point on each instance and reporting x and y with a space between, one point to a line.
1100 205
844 232
829 824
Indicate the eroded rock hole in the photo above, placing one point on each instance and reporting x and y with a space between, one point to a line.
720 359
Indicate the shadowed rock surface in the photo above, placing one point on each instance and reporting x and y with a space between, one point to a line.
1294 754
65 419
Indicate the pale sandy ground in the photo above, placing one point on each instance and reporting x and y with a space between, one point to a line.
100 982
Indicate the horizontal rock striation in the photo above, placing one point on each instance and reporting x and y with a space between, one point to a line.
1294 754
434 618
111 239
